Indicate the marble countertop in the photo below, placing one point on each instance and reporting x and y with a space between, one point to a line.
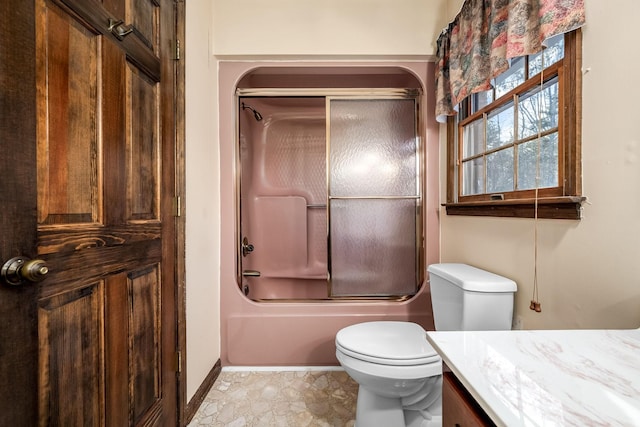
548 378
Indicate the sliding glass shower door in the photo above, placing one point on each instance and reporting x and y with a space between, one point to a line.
374 197
330 196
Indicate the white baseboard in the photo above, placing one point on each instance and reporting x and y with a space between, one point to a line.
280 368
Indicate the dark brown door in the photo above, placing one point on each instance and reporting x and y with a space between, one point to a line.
87 184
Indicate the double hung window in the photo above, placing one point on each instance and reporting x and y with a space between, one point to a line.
517 146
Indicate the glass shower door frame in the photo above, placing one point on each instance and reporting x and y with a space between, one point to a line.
332 95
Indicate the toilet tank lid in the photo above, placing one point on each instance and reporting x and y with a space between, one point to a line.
471 278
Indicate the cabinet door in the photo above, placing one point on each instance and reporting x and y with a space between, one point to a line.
459 409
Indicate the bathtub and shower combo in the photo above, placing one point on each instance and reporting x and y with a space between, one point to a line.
329 188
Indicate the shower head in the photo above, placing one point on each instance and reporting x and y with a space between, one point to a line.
257 115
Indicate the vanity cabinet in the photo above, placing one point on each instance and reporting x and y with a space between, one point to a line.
459 408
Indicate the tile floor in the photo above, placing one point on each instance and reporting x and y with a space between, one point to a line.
279 398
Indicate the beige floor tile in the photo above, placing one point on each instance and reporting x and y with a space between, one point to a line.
280 398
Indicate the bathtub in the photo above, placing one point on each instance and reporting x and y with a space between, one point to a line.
287 317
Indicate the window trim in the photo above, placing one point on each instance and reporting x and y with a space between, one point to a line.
565 201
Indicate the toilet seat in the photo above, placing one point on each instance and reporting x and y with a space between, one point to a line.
387 343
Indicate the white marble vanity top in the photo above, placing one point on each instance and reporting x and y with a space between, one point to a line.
548 378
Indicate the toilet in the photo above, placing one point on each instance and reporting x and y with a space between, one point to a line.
398 372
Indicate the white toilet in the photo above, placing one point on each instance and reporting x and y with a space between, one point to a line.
398 372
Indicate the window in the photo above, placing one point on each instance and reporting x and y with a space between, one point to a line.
528 122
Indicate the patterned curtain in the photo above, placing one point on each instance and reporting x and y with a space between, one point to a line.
477 45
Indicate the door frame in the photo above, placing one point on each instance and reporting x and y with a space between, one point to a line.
180 180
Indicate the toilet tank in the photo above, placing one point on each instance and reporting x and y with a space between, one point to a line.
466 298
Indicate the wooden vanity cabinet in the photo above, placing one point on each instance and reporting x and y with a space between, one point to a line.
459 408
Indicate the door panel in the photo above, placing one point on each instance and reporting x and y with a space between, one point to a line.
117 350
144 16
133 344
144 291
96 339
142 146
68 121
71 380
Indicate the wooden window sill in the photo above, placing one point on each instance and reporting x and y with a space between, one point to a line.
567 207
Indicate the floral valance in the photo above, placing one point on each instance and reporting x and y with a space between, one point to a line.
477 45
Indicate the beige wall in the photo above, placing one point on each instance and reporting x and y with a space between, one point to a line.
202 198
588 270
328 27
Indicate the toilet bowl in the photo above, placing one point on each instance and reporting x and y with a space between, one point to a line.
398 372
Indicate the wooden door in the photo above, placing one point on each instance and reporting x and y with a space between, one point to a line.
87 184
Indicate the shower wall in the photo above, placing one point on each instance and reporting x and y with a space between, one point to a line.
283 197
301 332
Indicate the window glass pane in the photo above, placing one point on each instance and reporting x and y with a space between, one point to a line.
473 177
373 148
527 153
511 78
500 171
500 127
546 102
480 100
553 53
473 138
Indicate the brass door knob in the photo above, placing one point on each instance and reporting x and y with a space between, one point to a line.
22 270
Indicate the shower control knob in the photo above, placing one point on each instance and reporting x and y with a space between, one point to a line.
247 248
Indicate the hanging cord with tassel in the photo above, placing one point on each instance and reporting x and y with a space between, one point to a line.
535 302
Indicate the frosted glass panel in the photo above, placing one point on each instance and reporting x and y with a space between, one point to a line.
373 148
373 249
